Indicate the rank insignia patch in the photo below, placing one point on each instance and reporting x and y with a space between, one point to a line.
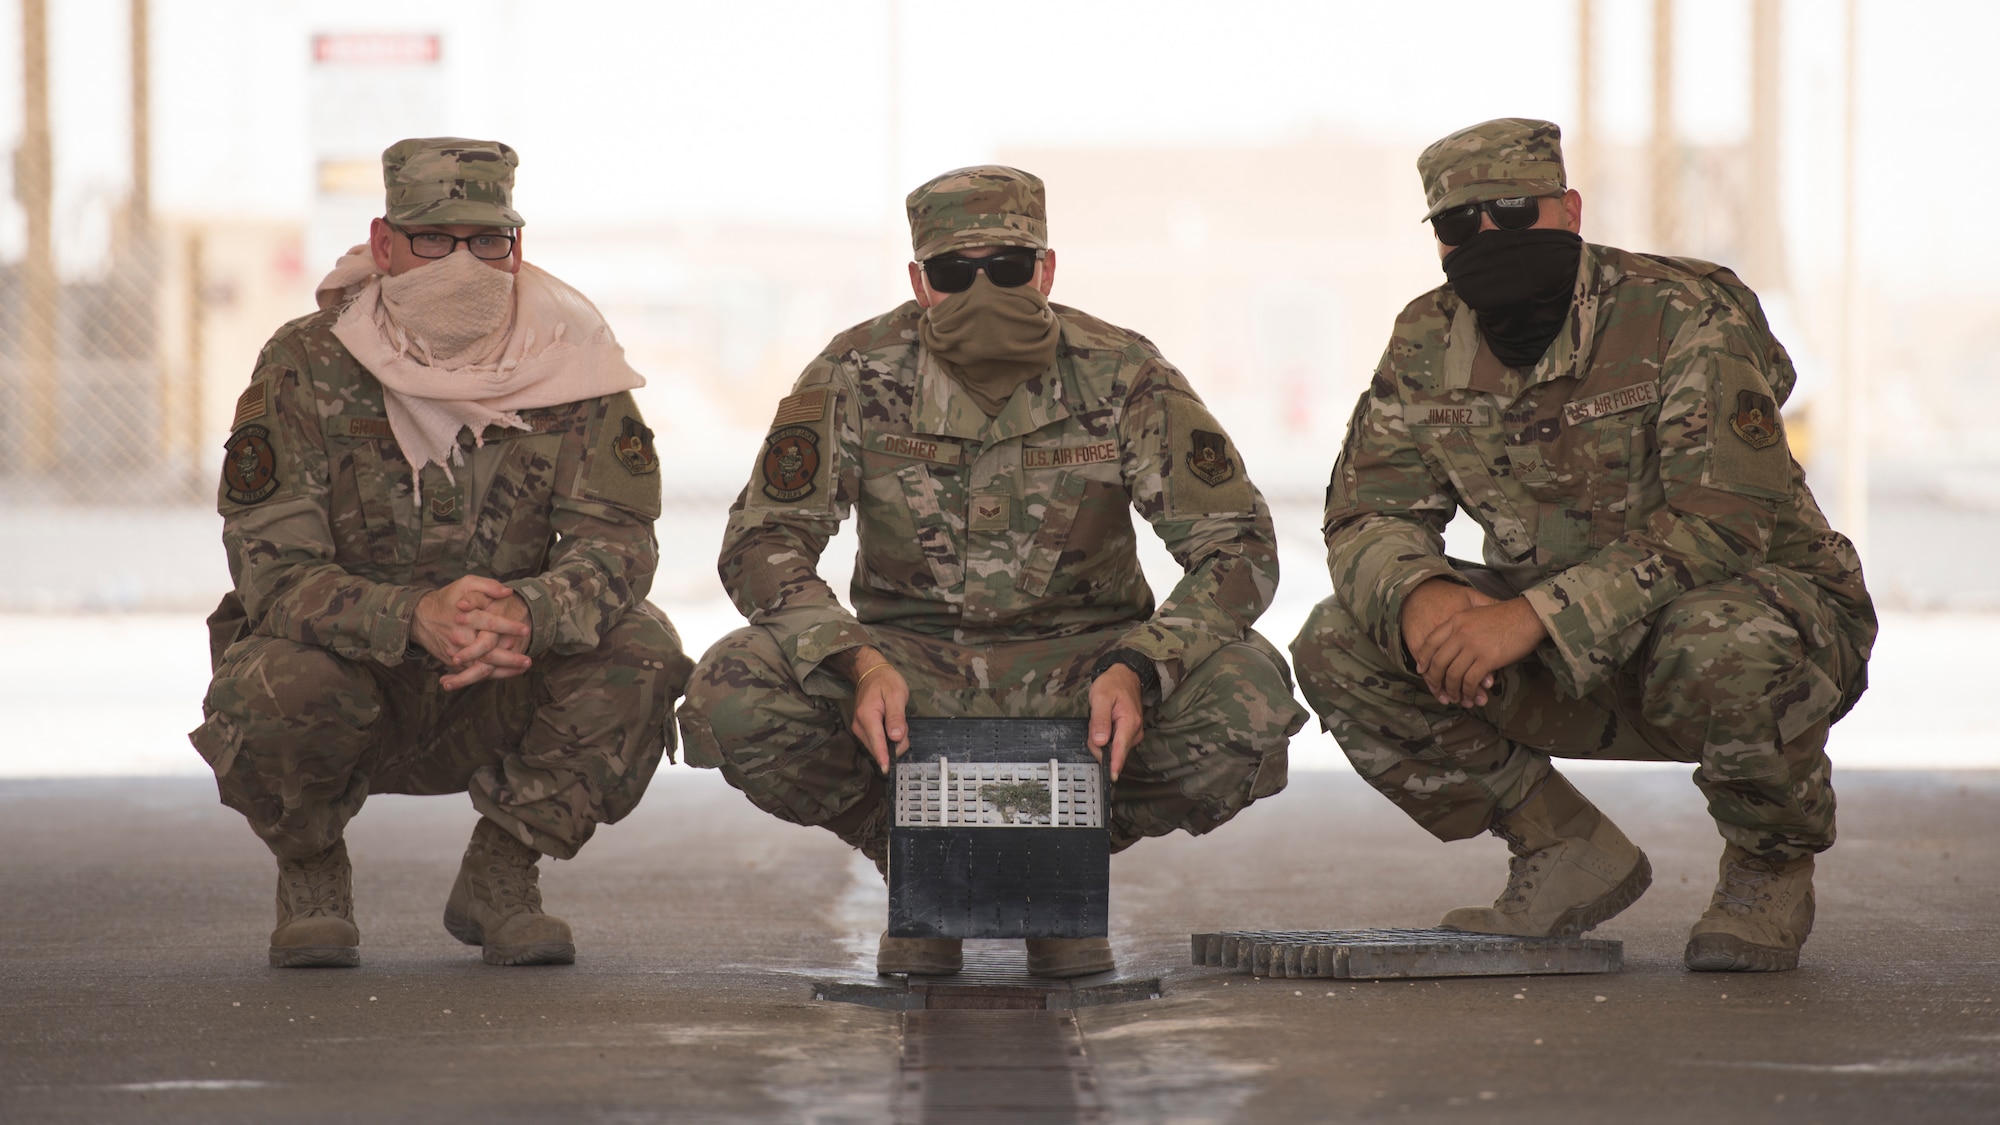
634 448
1755 420
791 462
249 466
1209 458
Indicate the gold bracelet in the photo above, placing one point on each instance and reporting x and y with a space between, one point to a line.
868 673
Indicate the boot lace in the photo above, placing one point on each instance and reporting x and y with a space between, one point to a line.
1523 870
1743 883
313 885
514 884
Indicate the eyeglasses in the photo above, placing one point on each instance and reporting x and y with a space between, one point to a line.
1455 226
437 244
954 273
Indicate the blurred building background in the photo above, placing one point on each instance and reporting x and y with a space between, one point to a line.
1236 184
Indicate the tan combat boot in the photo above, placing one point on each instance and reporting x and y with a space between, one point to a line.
1069 957
1760 915
316 913
497 903
919 957
1572 869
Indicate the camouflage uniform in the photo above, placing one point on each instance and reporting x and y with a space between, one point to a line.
997 561
321 698
1635 487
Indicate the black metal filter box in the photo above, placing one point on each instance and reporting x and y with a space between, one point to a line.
999 831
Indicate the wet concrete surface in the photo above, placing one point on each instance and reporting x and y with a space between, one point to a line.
133 984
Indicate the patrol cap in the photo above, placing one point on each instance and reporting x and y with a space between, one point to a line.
986 205
440 180
1497 159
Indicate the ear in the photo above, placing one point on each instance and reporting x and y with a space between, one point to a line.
921 288
1573 211
379 234
1046 272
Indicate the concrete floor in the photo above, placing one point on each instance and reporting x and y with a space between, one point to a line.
133 985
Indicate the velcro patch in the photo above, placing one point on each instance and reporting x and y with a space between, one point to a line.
252 404
357 425
1610 402
1205 472
1755 420
991 512
790 465
634 448
922 449
1443 414
1065 456
806 406
249 466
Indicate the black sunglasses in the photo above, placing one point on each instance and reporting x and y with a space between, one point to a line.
954 273
1453 227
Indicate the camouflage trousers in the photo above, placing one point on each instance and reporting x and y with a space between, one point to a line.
1725 679
1215 745
299 737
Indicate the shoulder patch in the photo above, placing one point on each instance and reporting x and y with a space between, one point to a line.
252 404
1205 472
249 466
1751 458
624 468
789 469
806 406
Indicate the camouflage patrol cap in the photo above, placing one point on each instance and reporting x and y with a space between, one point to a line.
986 205
1497 159
439 180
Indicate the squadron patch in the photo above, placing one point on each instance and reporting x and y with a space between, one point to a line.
791 463
1208 457
634 448
249 466
1755 420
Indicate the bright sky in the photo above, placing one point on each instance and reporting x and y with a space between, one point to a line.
633 111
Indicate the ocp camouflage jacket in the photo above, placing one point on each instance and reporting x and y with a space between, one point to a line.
1011 528
1641 457
330 544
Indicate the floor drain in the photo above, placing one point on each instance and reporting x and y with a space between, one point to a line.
974 1067
995 978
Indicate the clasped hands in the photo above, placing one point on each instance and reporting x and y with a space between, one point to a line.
477 627
1460 638
882 696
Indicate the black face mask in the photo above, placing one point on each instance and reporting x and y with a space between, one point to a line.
1520 282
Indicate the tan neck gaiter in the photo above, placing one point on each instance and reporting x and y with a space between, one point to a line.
992 339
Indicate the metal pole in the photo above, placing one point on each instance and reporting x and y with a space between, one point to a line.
34 185
1854 420
196 354
142 116
897 240
1582 155
1764 236
1666 151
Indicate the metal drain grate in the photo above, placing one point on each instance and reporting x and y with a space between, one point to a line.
995 1068
1378 954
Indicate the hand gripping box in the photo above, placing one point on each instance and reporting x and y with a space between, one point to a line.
1000 831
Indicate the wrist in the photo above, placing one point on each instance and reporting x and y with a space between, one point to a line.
1140 664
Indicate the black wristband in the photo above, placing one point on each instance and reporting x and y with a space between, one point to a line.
1140 663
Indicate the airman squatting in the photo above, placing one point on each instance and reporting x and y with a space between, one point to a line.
993 447
1658 582
438 501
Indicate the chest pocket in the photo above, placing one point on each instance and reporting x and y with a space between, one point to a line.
370 504
1045 550
914 519
1477 467
512 536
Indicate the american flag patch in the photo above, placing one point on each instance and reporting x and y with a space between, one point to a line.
806 406
250 405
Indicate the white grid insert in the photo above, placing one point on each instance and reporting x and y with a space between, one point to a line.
1047 794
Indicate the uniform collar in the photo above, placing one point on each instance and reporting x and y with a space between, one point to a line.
1469 364
940 406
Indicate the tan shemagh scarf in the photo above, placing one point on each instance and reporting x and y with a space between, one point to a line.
992 339
454 350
